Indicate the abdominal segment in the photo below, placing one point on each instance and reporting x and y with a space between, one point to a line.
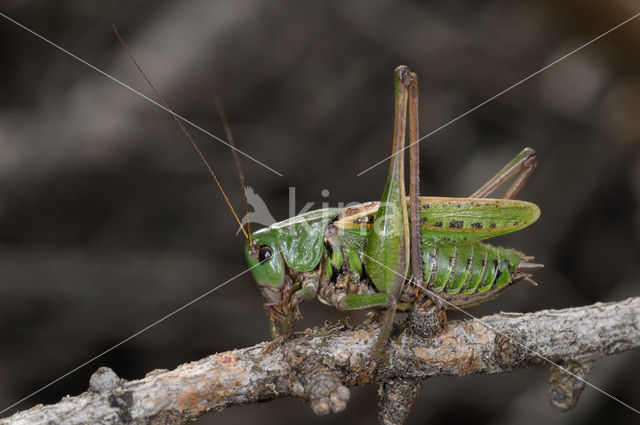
469 274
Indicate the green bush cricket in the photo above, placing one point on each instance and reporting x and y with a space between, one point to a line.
358 257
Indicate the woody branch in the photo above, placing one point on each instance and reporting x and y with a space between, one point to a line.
319 364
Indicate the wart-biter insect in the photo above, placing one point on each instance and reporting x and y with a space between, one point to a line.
358 257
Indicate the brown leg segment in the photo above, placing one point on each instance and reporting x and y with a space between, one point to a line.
524 163
414 183
414 193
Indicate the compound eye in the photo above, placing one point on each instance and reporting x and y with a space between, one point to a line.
266 252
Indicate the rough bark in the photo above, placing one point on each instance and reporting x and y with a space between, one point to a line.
319 364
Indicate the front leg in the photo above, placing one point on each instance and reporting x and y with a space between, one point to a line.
283 314
280 331
280 325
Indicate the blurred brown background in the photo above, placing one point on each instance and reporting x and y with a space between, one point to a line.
108 221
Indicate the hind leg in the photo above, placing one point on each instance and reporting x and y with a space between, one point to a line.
524 163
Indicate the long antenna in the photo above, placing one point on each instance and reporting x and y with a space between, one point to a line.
184 130
236 159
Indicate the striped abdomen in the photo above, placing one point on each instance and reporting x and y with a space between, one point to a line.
470 273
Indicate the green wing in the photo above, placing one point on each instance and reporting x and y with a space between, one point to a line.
445 221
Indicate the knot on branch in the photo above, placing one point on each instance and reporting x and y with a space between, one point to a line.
103 380
319 383
510 353
427 320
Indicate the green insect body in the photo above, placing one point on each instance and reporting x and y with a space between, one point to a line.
456 264
358 257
